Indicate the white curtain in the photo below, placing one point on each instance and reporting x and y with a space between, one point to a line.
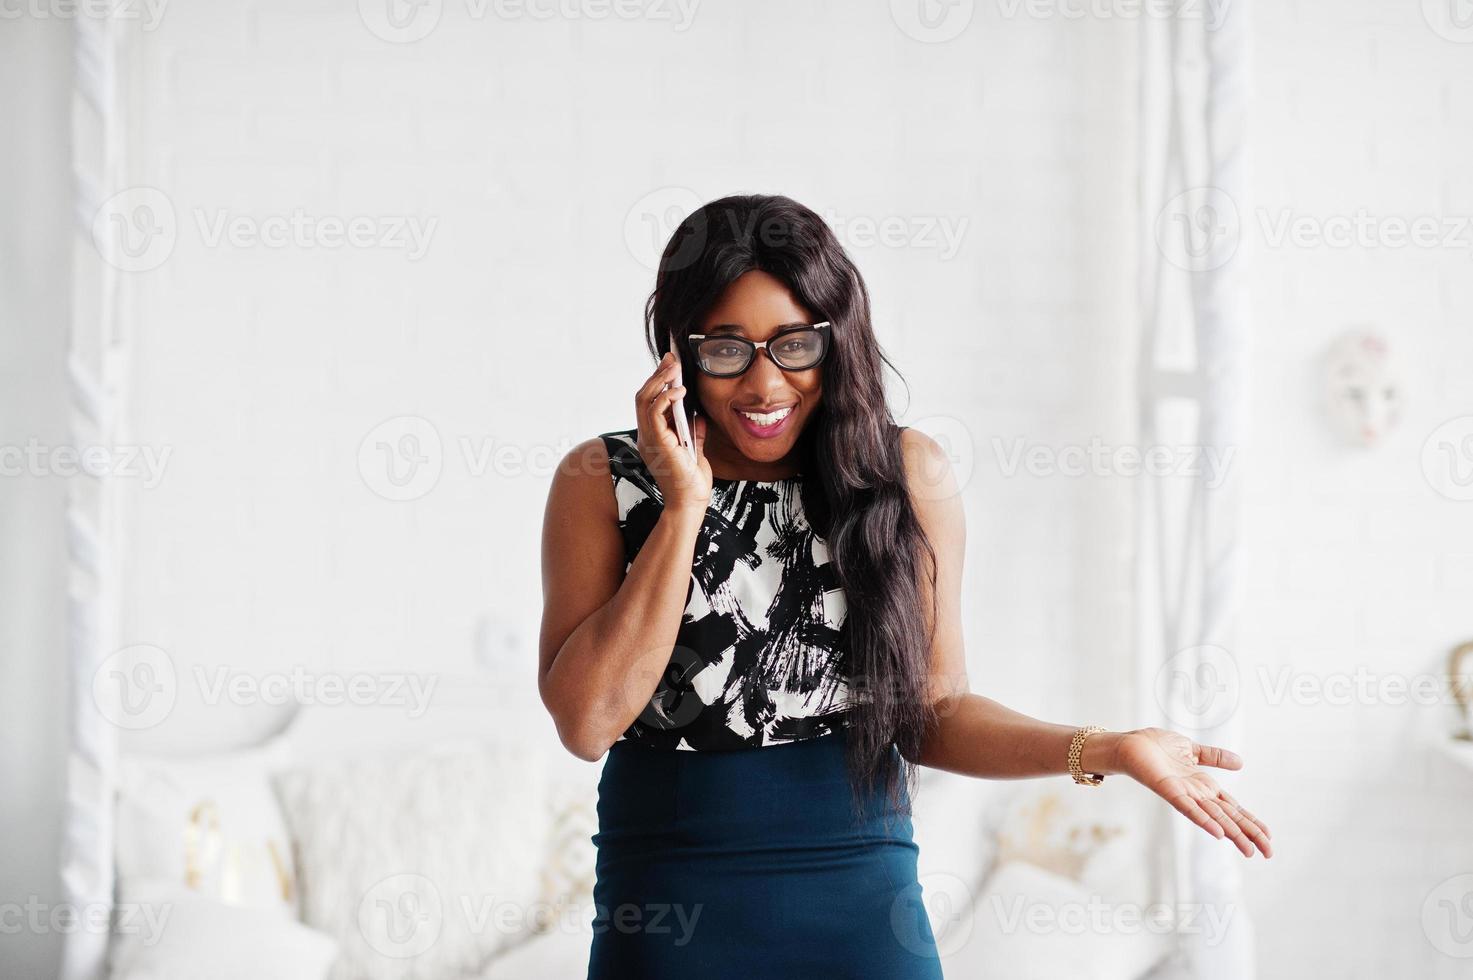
1193 399
97 366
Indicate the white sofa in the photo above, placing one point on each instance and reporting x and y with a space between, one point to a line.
365 844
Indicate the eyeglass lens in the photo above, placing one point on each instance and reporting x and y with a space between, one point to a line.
795 351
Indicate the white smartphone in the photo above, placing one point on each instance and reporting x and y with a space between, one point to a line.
677 407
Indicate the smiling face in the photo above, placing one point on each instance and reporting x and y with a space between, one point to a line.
756 306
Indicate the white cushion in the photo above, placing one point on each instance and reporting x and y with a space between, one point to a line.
424 863
957 847
211 823
568 868
949 814
1033 924
164 931
560 953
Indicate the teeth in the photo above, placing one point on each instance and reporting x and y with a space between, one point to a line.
771 418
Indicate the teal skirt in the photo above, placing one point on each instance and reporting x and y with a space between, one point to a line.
752 863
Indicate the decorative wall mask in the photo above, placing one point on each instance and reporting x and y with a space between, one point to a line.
1363 387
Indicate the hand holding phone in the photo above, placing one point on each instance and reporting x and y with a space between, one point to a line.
672 445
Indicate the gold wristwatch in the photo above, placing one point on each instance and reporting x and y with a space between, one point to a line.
1076 749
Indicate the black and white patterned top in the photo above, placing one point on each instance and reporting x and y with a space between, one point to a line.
761 656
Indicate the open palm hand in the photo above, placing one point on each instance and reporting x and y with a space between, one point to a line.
1169 765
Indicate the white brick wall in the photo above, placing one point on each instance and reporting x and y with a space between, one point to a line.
530 142
1356 562
261 370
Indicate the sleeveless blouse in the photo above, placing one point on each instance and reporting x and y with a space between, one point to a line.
761 656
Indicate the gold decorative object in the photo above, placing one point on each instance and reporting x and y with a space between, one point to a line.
201 842
284 877
220 863
1460 677
1046 843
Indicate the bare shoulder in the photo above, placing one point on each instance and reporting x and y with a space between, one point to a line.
581 484
588 459
928 472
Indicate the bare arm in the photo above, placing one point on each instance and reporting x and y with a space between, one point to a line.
606 635
976 736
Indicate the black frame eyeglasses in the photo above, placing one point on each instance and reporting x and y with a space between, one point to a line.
802 359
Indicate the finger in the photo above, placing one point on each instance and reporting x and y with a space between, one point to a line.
655 431
1218 758
662 427
659 382
1244 810
1250 828
1251 824
1189 809
644 398
1234 832
646 392
1252 833
663 373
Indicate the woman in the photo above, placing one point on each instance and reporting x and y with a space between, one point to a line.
762 636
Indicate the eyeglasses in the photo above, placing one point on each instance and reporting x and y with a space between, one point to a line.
792 349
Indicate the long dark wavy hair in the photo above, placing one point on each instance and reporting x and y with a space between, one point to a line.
859 502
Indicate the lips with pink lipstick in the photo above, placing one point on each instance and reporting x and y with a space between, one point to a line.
766 423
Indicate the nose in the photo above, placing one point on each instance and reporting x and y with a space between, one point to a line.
764 379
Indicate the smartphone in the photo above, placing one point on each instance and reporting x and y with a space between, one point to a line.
677 407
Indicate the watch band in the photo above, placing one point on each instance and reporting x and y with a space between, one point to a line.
1076 749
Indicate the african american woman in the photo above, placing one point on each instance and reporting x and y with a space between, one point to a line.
761 639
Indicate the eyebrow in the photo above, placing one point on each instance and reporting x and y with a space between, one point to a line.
737 328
